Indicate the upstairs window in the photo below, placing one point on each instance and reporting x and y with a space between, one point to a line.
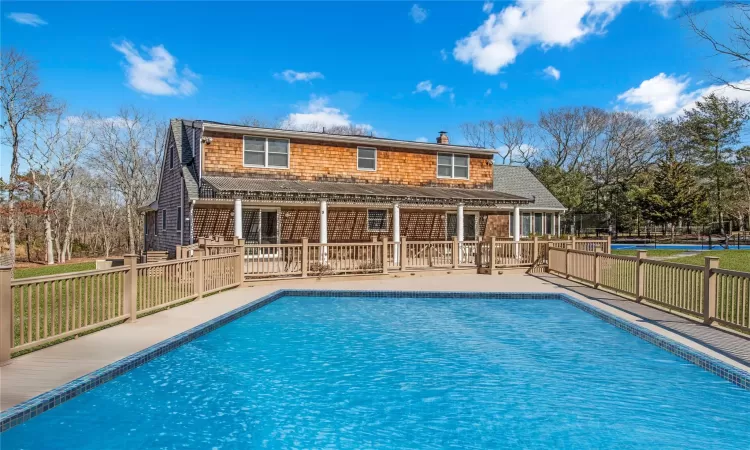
171 159
367 158
266 152
179 218
451 165
377 220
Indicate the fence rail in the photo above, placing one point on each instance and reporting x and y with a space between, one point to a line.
709 293
44 310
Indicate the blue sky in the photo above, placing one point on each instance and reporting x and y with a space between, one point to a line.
407 70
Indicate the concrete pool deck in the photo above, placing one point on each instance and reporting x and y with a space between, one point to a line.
35 373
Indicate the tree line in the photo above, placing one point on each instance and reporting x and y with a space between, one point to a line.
631 170
75 182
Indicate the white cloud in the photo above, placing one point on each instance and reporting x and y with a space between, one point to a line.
292 76
504 35
664 7
443 54
503 85
487 7
433 91
417 13
552 72
488 92
317 113
156 73
421 139
27 19
668 95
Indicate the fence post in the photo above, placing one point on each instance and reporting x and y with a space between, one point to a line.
199 272
130 291
640 275
455 252
239 247
178 252
709 289
609 244
6 315
493 255
597 266
573 240
385 255
534 250
305 256
568 247
402 250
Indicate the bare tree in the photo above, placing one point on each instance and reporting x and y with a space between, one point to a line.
736 44
52 157
569 135
129 149
20 101
511 138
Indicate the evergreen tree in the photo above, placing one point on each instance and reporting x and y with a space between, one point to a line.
713 129
674 195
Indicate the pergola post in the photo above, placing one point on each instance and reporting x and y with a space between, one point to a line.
460 222
396 234
516 229
238 218
324 231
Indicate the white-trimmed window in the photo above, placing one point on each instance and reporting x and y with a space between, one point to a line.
367 158
377 220
265 152
179 218
163 219
452 165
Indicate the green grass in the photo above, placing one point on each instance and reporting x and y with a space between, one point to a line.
728 259
54 269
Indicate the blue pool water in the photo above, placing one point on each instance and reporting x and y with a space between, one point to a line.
687 247
313 372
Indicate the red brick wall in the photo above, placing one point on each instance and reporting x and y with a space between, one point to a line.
328 161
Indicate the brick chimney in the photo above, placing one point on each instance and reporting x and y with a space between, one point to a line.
443 138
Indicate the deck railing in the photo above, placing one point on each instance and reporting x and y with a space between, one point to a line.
708 293
315 259
40 311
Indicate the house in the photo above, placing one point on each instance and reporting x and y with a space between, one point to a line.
274 186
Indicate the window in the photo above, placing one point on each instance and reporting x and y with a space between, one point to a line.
525 224
163 219
266 152
179 218
538 224
550 224
451 165
470 226
171 159
366 158
377 220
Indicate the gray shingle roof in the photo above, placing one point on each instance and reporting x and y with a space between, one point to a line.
340 190
518 180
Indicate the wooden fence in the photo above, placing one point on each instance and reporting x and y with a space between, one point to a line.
43 310
306 259
714 295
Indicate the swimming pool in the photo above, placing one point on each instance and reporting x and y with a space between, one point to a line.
686 247
397 372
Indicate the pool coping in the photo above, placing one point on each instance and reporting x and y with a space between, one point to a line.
28 409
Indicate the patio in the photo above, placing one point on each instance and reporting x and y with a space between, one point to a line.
38 372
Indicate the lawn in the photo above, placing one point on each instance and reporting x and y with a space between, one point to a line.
728 259
54 269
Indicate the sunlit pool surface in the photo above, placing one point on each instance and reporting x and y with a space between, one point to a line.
686 247
313 372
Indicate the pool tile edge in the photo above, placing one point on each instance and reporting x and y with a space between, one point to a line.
24 411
